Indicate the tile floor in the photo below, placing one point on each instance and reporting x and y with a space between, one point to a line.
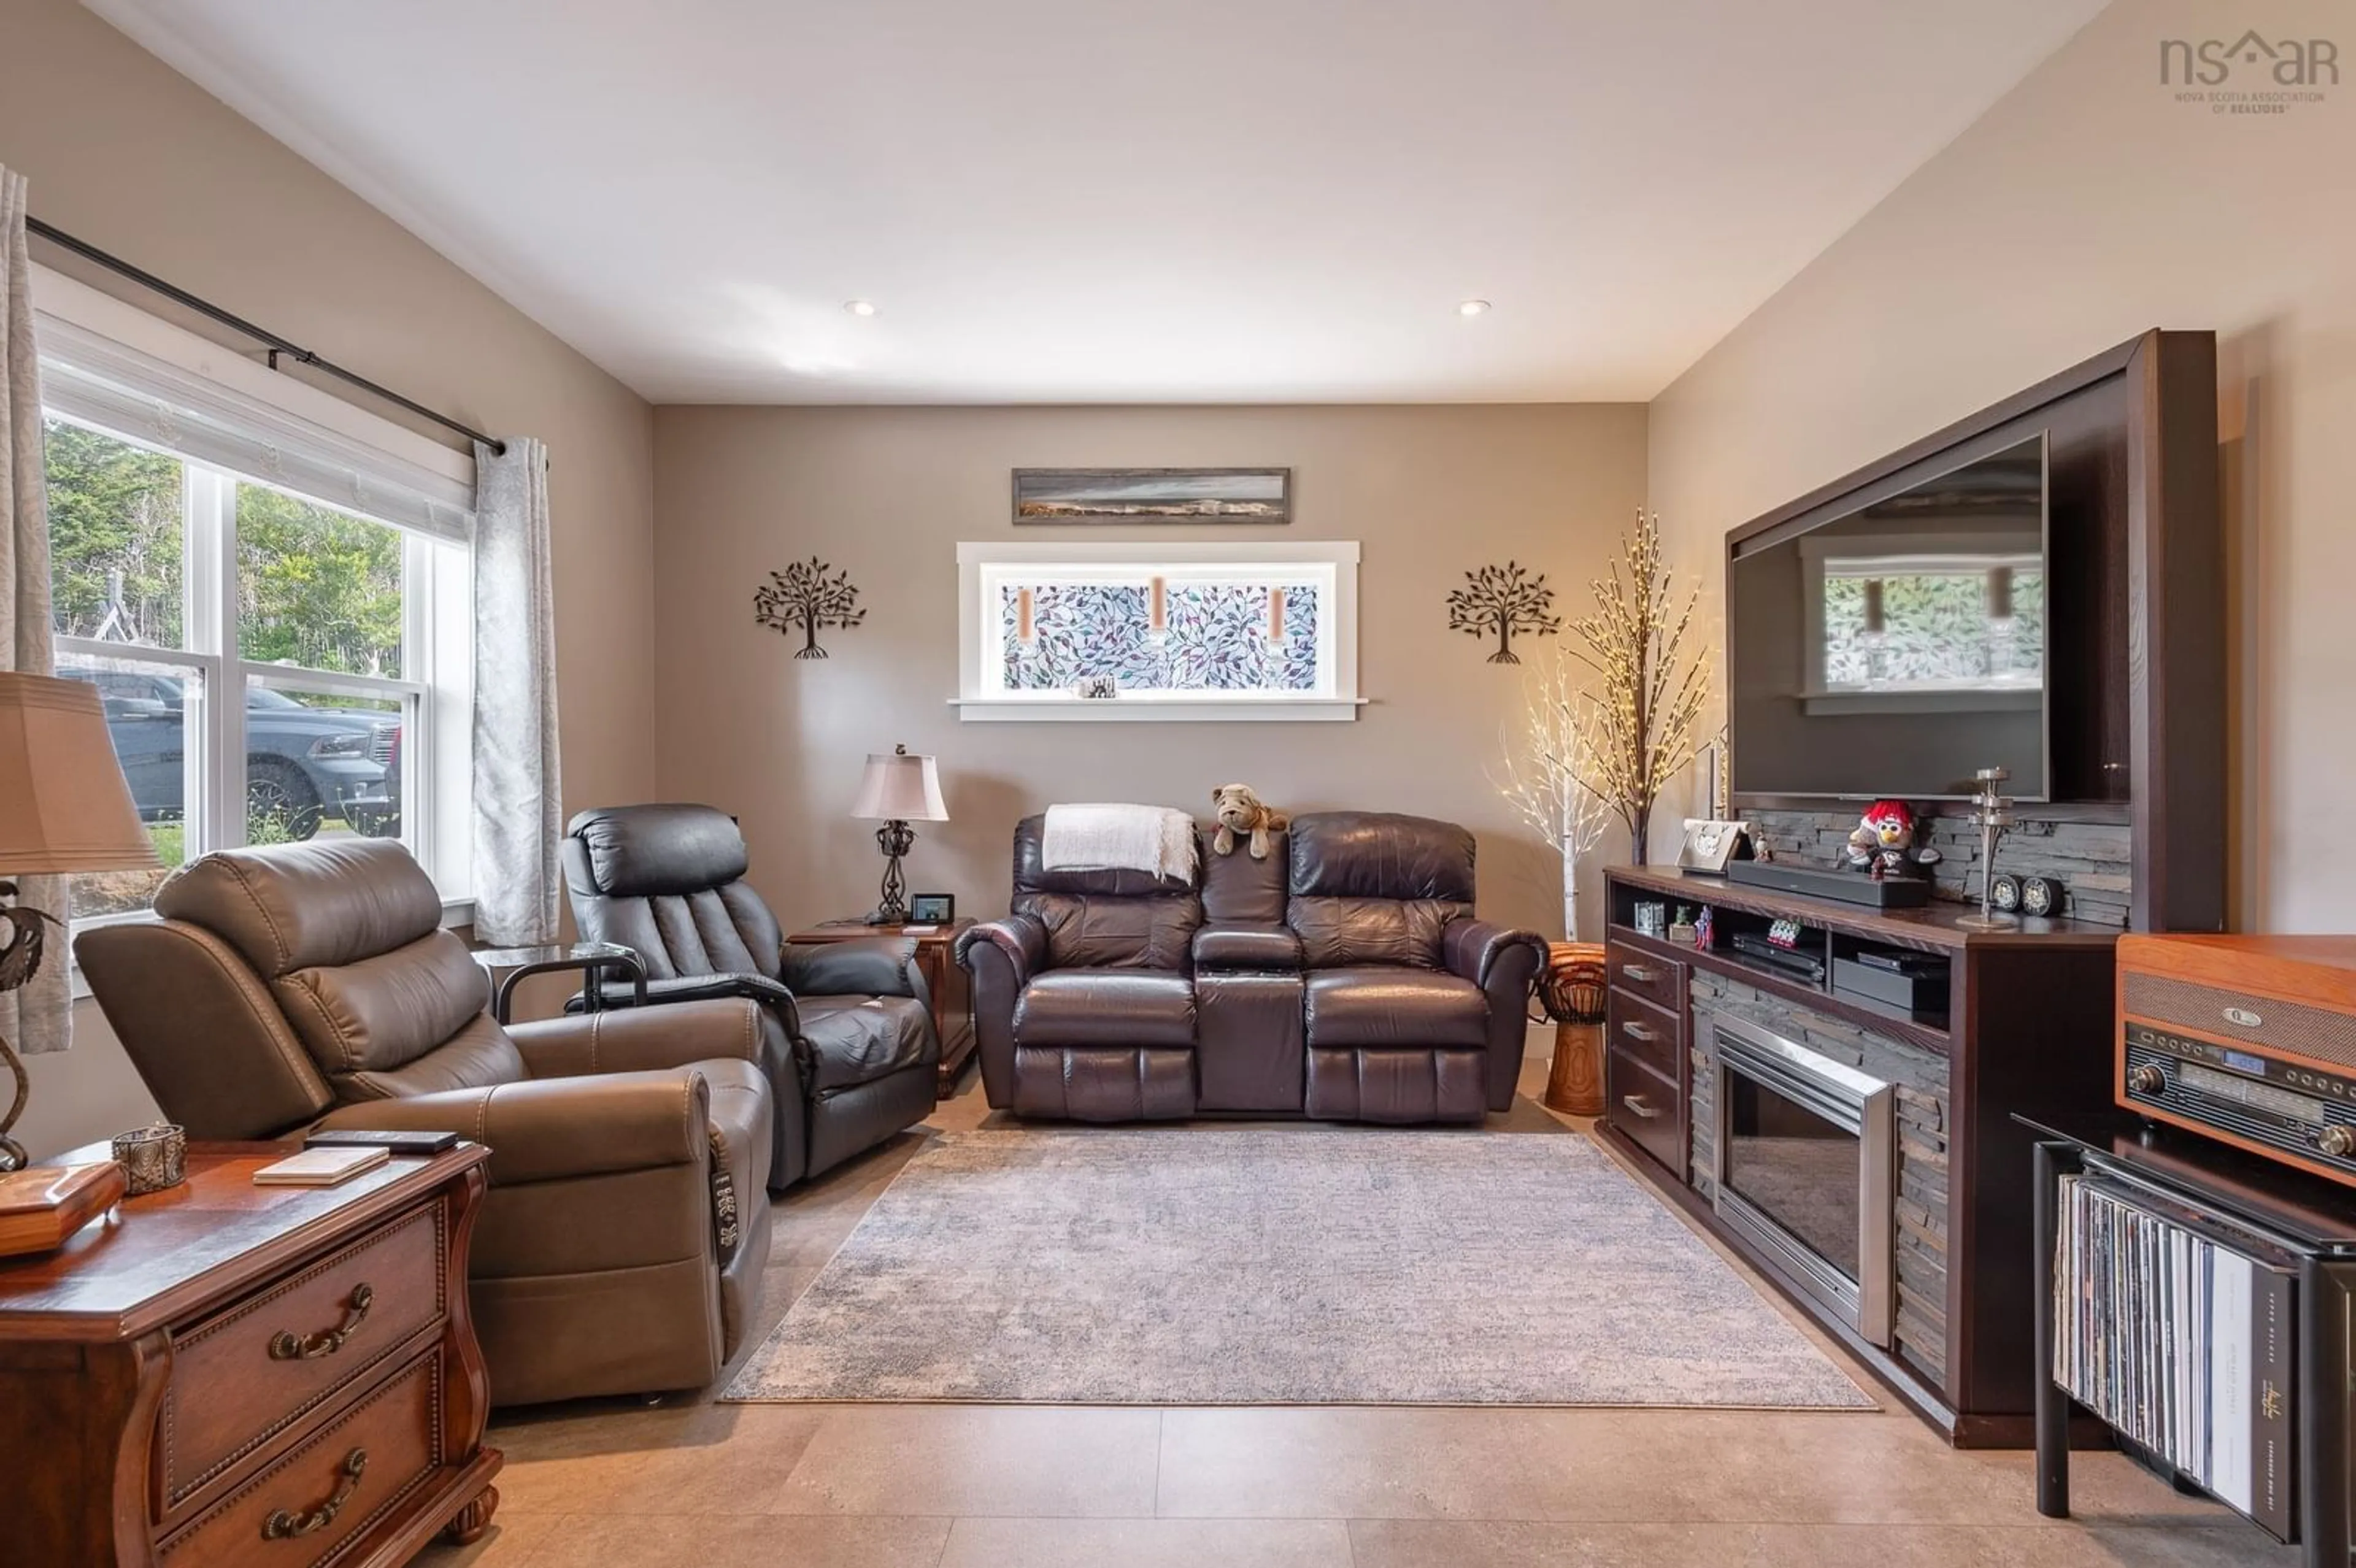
701 1485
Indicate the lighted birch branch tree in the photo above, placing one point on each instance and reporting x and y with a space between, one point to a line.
1651 686
1547 759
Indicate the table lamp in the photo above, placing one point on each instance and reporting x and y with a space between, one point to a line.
63 807
896 790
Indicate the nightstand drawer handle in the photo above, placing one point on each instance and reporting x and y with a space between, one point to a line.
288 1346
1636 1103
1639 973
283 1526
1640 1032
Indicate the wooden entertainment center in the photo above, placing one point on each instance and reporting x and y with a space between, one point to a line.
1874 1171
2026 1030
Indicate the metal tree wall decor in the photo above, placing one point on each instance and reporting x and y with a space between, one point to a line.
1650 686
1498 600
805 598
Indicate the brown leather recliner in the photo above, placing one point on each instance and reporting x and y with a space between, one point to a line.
620 1247
1413 1009
859 1056
1344 977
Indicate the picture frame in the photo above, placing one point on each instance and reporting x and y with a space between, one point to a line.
932 909
1106 497
1710 845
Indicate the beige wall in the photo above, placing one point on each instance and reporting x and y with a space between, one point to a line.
128 155
2084 207
888 493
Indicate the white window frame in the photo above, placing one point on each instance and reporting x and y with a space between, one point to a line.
985 568
435 689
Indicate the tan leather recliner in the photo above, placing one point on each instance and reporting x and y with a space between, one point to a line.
620 1247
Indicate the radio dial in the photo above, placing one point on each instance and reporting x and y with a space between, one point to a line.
2146 1080
2338 1141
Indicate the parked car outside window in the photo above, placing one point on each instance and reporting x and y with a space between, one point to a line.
306 766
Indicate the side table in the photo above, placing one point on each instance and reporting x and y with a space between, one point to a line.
226 1373
952 991
2306 1217
513 965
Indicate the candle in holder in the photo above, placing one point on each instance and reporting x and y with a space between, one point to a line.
1026 627
1157 608
1276 615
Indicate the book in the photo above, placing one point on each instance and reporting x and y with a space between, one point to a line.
320 1167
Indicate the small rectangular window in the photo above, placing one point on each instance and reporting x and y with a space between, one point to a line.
1171 632
1161 633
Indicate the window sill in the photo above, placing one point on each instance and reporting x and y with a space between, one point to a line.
1062 707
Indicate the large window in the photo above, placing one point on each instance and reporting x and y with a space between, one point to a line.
1159 632
273 667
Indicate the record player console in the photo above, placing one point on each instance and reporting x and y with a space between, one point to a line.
2249 1039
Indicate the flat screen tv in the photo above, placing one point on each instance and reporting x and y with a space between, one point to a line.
1898 648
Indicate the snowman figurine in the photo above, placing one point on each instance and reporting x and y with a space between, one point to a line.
1883 844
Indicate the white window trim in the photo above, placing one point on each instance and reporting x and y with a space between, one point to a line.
982 697
437 582
61 299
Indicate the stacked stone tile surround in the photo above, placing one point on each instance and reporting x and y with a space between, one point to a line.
1920 1078
2092 860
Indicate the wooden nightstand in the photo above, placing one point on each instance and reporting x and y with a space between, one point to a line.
230 1374
937 957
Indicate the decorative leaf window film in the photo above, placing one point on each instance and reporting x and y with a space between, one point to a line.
1216 636
1969 626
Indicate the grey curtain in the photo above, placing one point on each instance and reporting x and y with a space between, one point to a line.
39 1015
519 803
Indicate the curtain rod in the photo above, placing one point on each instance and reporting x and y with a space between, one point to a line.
275 344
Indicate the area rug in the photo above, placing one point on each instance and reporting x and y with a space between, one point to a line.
1281 1266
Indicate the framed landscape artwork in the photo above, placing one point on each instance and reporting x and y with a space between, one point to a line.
1154 494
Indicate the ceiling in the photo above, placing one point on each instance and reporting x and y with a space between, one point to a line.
1120 200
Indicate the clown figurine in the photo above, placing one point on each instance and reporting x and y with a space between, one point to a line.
1884 844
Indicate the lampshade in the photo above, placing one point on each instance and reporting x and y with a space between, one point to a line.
63 803
898 788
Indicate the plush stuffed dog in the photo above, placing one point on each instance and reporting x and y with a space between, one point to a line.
1240 811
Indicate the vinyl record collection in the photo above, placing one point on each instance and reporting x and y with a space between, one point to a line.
2179 1332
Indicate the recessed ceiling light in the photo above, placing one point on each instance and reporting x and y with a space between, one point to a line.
867 308
1472 308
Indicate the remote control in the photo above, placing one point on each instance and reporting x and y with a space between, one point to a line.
389 1141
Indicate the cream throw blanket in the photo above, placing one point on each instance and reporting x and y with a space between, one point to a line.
1153 838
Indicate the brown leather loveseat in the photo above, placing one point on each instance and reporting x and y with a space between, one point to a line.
620 1247
1344 977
